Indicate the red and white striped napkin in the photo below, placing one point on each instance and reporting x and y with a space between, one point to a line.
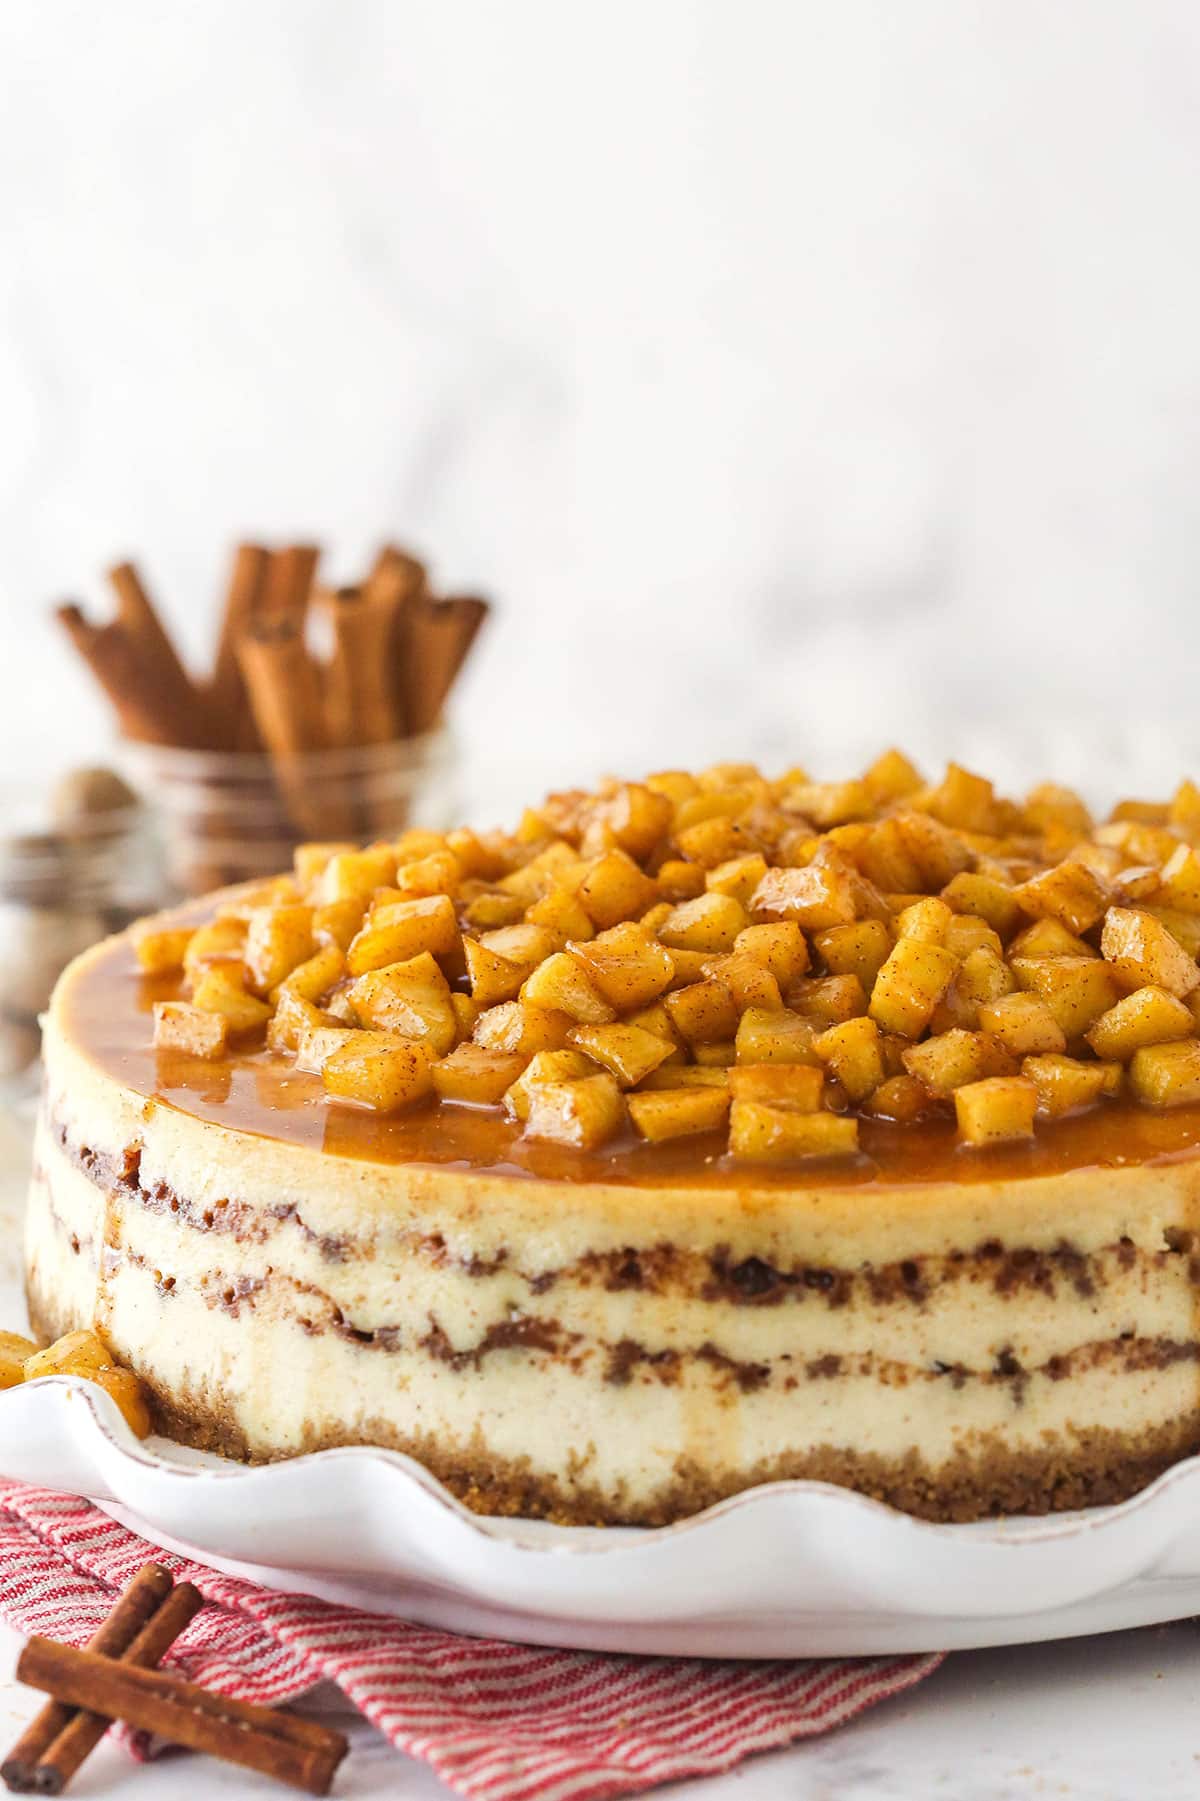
497 1722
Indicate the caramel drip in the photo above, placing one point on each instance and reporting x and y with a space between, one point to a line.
108 1017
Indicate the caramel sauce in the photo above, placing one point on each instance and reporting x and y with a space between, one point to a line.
107 1015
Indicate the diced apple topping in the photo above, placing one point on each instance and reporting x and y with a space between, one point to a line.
772 959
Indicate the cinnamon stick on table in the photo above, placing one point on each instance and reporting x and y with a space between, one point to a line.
277 1744
139 1603
83 1731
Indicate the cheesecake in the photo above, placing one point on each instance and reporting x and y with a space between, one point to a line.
701 1132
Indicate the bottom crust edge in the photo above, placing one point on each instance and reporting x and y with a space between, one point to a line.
1095 1466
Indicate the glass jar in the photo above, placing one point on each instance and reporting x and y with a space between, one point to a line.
234 816
63 887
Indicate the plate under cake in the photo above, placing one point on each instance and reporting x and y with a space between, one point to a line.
593 1326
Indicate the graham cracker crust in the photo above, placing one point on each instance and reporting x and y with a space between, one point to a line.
1095 1468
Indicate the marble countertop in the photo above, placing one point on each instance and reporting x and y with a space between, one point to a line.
1105 1719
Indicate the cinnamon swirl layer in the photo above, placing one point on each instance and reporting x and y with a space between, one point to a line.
601 1356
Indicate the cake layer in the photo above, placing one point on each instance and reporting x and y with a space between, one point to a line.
255 1129
539 1423
1000 1378
969 1310
1003 1333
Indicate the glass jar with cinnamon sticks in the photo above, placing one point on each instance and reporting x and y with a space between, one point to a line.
322 717
235 816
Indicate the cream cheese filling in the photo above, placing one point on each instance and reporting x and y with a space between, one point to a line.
954 1315
287 1389
263 1350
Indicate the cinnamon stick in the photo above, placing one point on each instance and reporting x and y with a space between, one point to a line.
285 693
230 703
471 612
284 686
289 581
361 704
282 1745
83 1731
123 1626
397 574
404 581
156 658
440 635
143 712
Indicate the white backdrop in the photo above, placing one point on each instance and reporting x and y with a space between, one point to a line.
796 375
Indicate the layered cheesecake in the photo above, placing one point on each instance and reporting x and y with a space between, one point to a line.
704 1131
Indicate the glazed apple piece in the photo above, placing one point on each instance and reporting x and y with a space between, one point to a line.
1147 1016
585 1113
1167 1075
761 1133
1143 953
996 1109
1066 1084
678 1112
411 999
179 1026
851 1052
399 930
380 1071
909 986
472 1074
159 952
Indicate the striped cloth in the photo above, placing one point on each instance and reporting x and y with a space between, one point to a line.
497 1722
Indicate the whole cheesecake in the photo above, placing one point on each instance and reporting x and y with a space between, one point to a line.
705 1131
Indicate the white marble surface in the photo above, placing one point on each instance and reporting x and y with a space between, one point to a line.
799 376
1110 1719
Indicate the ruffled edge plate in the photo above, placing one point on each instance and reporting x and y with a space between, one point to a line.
790 1569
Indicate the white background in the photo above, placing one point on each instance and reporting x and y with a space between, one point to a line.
799 376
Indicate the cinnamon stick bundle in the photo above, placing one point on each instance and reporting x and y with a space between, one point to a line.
141 1599
394 652
83 1730
282 1745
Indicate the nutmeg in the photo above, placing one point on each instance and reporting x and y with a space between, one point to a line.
81 793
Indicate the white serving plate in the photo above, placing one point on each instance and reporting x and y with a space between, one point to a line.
791 1569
